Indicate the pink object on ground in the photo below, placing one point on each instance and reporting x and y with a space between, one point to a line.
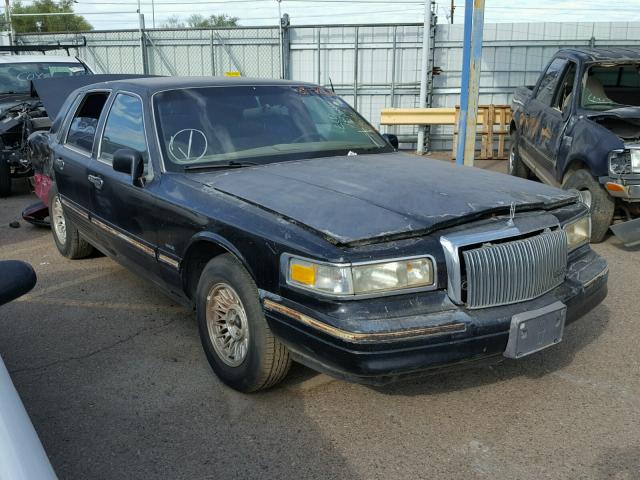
42 185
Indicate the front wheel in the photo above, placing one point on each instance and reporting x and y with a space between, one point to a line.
600 203
236 338
5 178
517 167
65 234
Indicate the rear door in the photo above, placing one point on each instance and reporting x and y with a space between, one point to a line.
72 155
535 131
127 213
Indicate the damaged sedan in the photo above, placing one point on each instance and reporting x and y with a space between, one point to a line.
22 112
297 232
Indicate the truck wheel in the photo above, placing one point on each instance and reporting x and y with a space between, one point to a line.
5 178
235 335
517 168
65 234
600 203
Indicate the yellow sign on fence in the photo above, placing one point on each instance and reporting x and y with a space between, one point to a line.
234 73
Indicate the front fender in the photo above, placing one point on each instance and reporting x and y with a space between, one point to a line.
590 144
219 241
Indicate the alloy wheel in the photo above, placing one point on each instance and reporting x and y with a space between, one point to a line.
227 324
58 221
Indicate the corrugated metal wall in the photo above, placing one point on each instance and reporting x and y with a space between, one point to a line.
387 70
513 55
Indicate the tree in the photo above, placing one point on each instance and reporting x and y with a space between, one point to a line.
200 21
49 23
173 22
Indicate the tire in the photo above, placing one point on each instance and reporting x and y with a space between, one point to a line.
517 167
602 205
65 234
5 178
254 359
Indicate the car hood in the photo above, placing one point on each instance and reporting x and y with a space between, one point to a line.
622 122
372 198
11 100
628 113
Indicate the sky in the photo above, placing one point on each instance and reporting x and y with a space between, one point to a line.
117 14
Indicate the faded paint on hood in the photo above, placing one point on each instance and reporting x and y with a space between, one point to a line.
369 198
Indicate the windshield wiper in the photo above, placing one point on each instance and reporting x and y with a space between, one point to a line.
230 164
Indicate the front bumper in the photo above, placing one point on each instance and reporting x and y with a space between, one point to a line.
387 344
625 187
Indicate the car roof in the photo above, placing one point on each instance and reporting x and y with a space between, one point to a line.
37 59
601 54
151 85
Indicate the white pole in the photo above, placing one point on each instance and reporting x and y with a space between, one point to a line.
426 46
280 38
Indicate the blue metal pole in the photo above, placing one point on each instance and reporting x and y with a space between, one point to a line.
464 88
474 82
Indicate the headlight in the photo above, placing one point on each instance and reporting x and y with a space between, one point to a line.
360 279
624 162
578 232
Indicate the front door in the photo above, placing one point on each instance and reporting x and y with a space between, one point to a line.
553 122
541 120
123 210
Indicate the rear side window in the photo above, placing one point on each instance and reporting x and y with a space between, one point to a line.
82 131
124 128
549 82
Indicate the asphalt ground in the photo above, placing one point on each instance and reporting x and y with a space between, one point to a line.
115 381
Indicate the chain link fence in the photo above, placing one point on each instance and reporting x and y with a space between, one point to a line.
252 52
370 66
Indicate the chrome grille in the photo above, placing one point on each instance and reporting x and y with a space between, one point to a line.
515 271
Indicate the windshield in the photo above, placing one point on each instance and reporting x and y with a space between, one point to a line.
16 77
258 124
606 87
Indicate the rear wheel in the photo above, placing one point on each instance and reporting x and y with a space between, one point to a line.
517 168
235 335
5 178
65 234
600 203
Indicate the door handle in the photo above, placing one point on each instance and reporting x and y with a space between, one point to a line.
58 162
97 181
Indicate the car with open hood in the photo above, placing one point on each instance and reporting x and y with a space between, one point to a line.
579 128
297 232
22 112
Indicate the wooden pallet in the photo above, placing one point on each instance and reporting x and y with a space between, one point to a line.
494 125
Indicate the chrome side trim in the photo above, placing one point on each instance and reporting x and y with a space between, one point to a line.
604 272
67 204
131 241
358 337
169 261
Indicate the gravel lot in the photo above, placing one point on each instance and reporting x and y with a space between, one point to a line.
116 383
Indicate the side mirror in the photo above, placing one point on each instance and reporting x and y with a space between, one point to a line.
129 161
391 139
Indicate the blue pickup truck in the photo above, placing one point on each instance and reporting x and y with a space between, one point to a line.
579 128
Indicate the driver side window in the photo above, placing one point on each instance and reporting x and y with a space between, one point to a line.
124 128
549 81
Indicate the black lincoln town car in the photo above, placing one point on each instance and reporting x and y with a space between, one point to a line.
297 232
